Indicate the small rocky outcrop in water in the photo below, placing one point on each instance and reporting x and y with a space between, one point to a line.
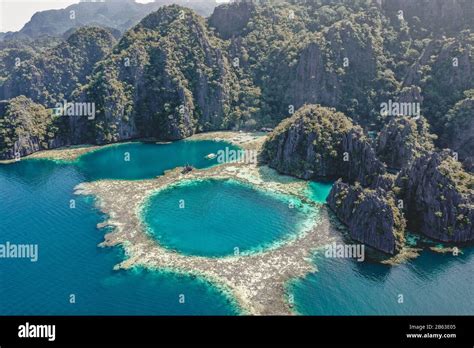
25 127
402 139
320 143
308 144
371 215
438 197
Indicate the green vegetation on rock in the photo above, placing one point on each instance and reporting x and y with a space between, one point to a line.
25 127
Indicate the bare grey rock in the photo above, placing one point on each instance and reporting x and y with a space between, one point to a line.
370 215
438 197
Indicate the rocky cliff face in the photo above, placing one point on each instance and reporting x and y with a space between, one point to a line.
52 76
437 194
171 79
230 19
362 165
444 71
438 197
310 82
359 64
458 132
371 216
339 68
451 15
402 139
25 127
320 143
309 144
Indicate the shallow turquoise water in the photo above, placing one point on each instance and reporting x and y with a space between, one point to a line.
147 160
219 217
319 191
35 209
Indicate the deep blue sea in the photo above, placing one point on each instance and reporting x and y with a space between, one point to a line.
35 209
432 284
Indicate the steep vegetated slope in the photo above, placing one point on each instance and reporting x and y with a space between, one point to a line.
168 77
25 127
52 76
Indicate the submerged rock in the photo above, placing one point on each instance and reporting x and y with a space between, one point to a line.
438 197
372 216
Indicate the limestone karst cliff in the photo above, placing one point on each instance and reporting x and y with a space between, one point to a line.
320 143
438 196
372 216
25 127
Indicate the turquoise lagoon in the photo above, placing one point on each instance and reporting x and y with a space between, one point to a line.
222 217
147 160
35 208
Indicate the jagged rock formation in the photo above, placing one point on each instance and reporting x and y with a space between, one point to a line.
230 19
9 58
300 54
309 82
25 127
436 193
362 164
438 197
52 76
320 143
168 78
444 71
308 144
402 139
371 216
451 16
459 131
